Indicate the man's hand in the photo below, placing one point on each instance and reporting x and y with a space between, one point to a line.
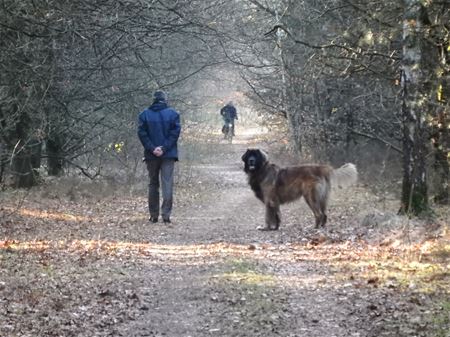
158 151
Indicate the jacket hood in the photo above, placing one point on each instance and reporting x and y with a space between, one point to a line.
158 106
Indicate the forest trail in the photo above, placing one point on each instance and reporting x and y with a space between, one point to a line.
222 277
98 268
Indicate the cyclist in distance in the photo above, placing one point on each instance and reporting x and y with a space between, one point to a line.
229 114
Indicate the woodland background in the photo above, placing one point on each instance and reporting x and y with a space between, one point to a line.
333 81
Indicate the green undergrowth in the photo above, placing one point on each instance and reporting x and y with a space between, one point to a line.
441 320
246 272
421 268
420 273
253 300
425 277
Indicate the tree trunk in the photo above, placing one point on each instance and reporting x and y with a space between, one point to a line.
26 159
443 172
26 164
441 134
414 188
349 139
54 156
2 161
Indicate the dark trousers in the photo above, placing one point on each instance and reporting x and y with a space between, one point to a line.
227 121
160 168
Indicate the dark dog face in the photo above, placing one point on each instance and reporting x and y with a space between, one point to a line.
254 159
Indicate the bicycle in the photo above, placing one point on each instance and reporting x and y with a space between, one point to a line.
228 131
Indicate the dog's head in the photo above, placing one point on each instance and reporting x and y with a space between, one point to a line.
254 159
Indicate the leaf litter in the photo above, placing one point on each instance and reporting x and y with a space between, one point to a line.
92 265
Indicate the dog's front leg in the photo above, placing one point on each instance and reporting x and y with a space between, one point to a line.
273 218
278 216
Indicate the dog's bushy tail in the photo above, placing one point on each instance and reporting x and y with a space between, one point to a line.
344 176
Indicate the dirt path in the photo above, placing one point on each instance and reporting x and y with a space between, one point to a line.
86 267
228 279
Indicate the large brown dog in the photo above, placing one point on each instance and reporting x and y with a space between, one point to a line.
275 186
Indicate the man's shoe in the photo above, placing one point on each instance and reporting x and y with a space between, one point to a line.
153 219
167 220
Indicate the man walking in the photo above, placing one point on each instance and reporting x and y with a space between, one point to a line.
158 130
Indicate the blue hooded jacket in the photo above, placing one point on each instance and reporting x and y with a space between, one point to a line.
229 112
159 125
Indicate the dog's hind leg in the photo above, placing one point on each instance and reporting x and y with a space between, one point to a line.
323 193
320 196
315 205
323 211
277 217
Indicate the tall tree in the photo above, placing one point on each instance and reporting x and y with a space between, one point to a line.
23 81
415 85
438 15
